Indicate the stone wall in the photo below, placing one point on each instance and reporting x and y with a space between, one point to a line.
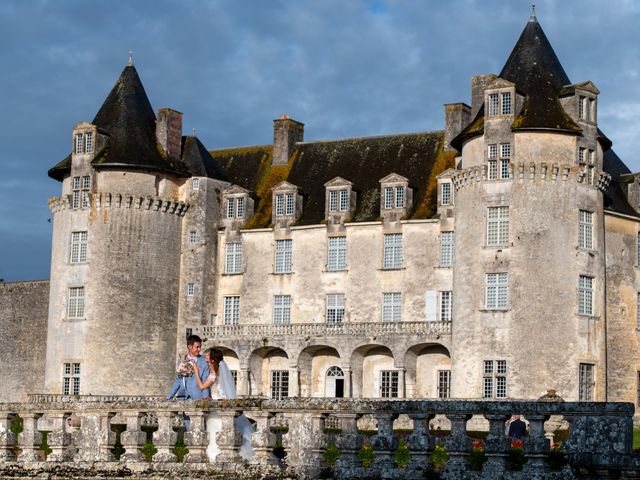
23 336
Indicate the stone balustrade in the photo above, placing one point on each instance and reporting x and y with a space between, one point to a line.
83 433
427 329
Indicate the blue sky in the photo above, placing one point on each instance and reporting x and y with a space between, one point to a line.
344 68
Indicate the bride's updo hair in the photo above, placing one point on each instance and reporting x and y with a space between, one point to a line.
215 356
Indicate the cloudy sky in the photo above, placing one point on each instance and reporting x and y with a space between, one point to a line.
343 67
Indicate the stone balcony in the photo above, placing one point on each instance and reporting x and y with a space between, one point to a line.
82 433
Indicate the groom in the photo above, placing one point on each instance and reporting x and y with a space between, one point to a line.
186 388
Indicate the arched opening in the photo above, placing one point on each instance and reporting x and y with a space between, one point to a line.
428 371
374 374
269 372
334 382
313 363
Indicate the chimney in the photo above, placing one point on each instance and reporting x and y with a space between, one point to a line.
456 117
169 131
478 84
286 133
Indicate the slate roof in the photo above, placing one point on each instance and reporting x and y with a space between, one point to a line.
362 161
535 69
127 118
198 160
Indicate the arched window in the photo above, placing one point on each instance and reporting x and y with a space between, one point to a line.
334 382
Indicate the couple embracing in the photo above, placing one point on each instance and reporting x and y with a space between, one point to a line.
209 377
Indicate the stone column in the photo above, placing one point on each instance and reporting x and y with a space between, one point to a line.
7 438
30 438
348 441
96 438
132 438
227 438
536 445
347 382
294 382
262 440
420 440
164 439
401 383
384 442
496 444
58 438
457 443
243 382
196 439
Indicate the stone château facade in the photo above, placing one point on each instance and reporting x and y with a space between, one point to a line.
495 259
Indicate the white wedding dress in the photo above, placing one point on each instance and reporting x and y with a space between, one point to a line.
223 387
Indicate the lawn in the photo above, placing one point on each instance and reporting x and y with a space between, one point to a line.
636 438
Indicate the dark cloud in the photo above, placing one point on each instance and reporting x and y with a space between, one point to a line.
231 66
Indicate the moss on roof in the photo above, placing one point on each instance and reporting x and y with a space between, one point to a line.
362 161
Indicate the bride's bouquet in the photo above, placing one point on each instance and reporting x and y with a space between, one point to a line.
184 368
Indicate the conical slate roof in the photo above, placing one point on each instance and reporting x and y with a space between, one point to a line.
198 159
127 118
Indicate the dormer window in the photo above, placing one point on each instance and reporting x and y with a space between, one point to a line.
586 108
500 104
237 206
494 104
506 103
445 193
339 200
285 204
396 197
83 142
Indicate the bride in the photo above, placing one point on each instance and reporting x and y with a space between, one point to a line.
222 386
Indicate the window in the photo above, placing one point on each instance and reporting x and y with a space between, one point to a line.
78 247
391 307
279 384
335 307
339 200
83 142
195 184
585 234
585 295
497 226
592 157
446 249
583 108
337 254
233 257
582 154
235 207
80 192
283 256
492 162
232 310
446 193
494 102
444 383
392 251
282 309
191 289
193 236
79 143
496 291
75 307
506 103
71 379
592 109
494 379
285 204
389 383
234 375
446 306
88 142
505 159
394 197
585 383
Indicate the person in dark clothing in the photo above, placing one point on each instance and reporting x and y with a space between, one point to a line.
517 428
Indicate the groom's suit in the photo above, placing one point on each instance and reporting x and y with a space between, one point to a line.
186 388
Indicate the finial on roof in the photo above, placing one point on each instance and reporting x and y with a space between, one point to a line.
284 117
193 132
130 62
533 13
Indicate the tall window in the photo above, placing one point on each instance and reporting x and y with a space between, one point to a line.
335 307
283 256
79 147
337 254
583 107
585 383
585 235
446 193
582 154
282 309
285 204
585 295
496 291
389 383
83 142
75 307
235 207
391 307
506 103
80 191
279 384
233 257
446 249
392 251
492 162
494 104
494 377
232 310
339 200
505 160
394 197
446 306
193 236
195 184
497 226
78 247
191 289
444 383
71 379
